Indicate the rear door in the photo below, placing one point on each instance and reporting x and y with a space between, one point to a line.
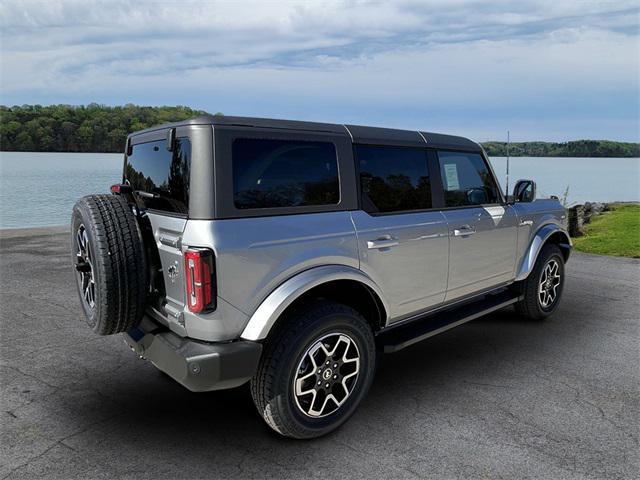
403 241
283 202
482 228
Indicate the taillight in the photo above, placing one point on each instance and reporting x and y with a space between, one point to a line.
199 269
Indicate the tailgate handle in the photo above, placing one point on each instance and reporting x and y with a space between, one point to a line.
170 242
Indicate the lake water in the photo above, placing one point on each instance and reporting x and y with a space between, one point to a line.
39 189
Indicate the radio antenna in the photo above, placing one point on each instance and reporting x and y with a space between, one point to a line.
508 142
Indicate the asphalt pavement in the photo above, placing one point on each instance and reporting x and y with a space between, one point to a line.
500 397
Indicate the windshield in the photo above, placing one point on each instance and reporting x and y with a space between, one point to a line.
159 177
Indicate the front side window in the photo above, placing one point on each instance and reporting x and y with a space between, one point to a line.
466 180
284 173
393 179
160 177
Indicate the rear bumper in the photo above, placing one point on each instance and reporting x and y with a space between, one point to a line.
199 366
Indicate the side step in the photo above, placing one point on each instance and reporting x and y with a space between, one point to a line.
397 338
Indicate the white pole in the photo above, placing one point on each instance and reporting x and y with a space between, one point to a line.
508 142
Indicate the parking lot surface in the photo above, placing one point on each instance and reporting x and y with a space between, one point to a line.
500 397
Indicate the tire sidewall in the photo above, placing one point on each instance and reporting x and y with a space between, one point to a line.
81 216
360 332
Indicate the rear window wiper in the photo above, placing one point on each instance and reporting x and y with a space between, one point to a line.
142 193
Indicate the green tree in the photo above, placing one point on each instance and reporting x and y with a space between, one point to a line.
577 148
90 128
100 128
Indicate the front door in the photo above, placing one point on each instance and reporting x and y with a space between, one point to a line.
482 229
403 243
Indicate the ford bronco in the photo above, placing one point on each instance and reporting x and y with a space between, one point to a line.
289 254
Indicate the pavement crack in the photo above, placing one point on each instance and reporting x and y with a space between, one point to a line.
60 442
37 379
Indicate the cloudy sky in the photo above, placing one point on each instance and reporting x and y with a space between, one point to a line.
548 70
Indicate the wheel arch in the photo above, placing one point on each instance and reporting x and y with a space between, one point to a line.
549 233
335 282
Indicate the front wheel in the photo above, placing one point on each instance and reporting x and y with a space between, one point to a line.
315 370
543 287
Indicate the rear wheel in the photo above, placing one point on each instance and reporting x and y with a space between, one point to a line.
109 262
315 370
543 287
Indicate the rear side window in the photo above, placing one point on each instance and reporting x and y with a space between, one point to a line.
160 177
466 180
393 179
284 173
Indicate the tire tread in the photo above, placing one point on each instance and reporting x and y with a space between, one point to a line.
122 281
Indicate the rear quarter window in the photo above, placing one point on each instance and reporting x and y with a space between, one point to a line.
159 177
270 173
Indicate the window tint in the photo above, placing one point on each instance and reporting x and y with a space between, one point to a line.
284 173
466 179
152 169
393 179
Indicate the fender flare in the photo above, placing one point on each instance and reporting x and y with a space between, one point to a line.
271 308
539 239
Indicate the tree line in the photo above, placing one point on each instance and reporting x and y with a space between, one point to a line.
577 148
100 128
90 128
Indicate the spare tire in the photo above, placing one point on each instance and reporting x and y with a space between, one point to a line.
109 262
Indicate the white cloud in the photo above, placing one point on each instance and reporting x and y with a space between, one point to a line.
421 58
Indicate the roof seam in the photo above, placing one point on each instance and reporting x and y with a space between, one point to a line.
357 133
348 131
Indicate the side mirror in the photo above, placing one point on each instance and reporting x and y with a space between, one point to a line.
476 196
524 191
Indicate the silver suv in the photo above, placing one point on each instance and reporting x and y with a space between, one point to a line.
289 254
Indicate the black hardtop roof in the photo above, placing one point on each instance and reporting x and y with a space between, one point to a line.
359 134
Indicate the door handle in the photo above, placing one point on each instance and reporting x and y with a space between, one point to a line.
524 223
383 242
464 231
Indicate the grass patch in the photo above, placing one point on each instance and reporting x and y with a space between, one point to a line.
616 232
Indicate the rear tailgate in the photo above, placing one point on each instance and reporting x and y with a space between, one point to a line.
160 178
167 234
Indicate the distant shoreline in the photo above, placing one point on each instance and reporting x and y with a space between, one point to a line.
573 149
512 155
96 128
